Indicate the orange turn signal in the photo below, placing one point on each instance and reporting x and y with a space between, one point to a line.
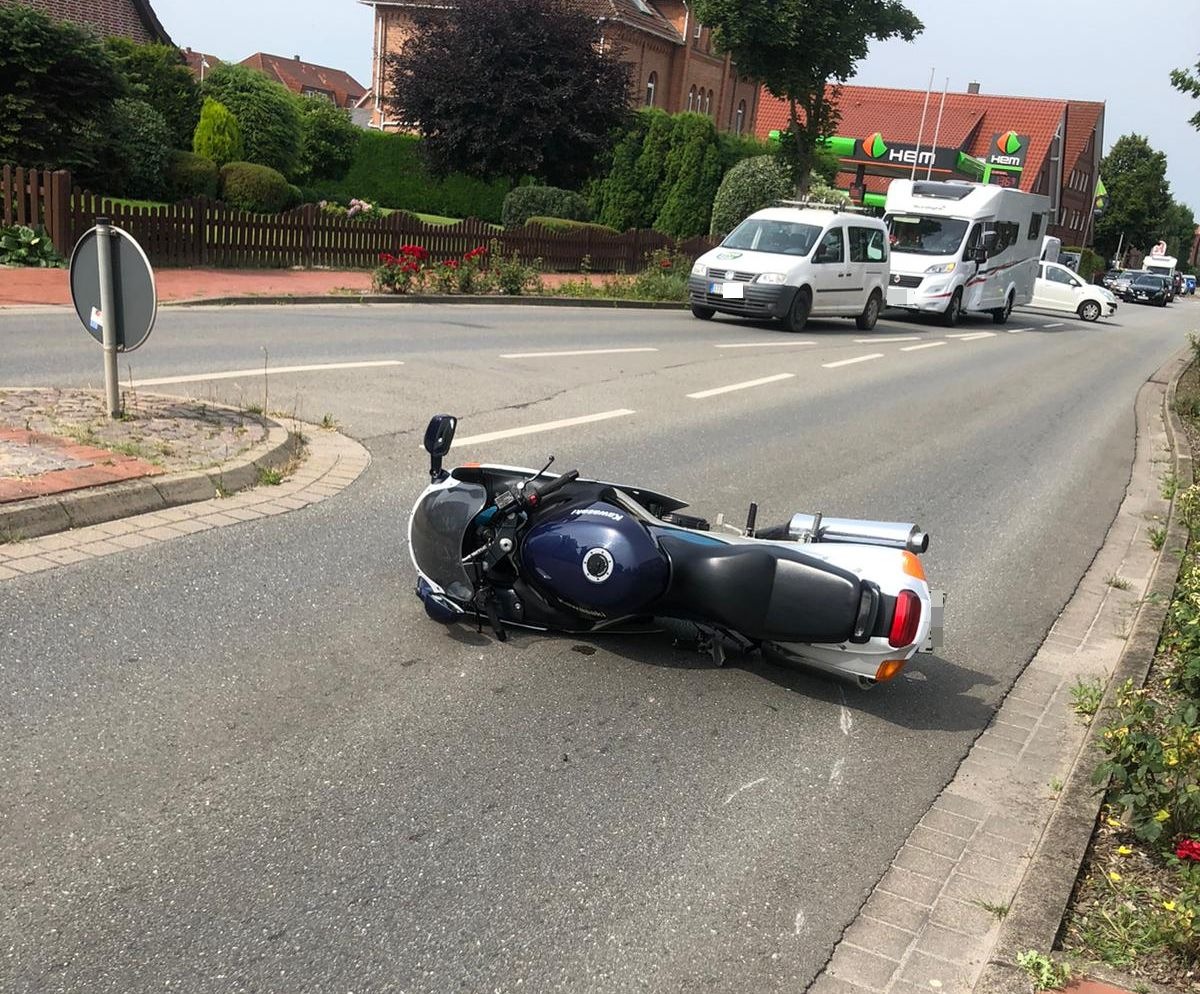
888 669
912 566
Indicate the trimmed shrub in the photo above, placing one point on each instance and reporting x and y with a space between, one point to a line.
749 186
616 200
137 150
158 74
267 114
328 139
566 224
218 136
650 174
543 201
387 170
249 186
735 148
295 197
693 175
192 175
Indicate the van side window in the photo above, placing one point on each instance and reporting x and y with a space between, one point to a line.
1035 226
832 247
973 241
867 245
1007 233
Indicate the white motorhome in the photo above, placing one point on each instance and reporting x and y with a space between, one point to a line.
1161 265
959 246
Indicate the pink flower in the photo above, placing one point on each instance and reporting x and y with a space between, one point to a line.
1188 849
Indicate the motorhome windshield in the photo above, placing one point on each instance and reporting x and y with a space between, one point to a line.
780 237
926 235
1160 270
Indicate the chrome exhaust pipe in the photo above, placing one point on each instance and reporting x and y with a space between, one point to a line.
892 534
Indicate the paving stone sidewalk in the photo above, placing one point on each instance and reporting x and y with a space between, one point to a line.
933 921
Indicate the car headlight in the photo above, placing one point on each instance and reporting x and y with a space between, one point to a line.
943 267
699 268
775 278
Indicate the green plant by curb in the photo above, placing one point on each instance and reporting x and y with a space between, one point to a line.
1043 971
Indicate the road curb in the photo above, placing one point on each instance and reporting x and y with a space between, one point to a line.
1036 911
375 298
41 516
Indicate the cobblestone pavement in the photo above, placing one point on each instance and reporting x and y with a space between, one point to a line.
334 462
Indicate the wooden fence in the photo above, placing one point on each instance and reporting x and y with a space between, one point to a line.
203 232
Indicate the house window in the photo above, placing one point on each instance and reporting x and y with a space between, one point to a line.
651 86
692 103
708 102
739 122
699 28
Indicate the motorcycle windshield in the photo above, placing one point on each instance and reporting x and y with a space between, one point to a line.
439 526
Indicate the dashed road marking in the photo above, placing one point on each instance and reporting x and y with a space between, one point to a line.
1018 331
1057 324
927 345
759 345
976 336
237 374
701 395
885 341
551 355
851 362
493 436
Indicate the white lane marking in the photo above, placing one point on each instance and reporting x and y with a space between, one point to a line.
493 436
976 336
845 719
927 345
1017 331
800 921
237 374
835 775
745 786
760 345
740 386
1057 324
959 334
551 355
884 341
851 362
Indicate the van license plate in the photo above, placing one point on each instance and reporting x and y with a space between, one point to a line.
732 291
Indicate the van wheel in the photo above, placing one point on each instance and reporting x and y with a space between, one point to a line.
953 310
866 320
797 316
703 313
1001 314
1089 310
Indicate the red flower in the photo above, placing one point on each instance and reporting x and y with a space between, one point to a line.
451 263
414 251
666 263
1188 849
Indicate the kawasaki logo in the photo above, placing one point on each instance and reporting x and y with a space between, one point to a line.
874 146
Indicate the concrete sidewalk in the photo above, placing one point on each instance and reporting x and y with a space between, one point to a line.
23 287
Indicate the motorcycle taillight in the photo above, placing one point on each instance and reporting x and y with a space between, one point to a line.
905 620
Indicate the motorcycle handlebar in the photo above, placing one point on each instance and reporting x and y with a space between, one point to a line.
534 495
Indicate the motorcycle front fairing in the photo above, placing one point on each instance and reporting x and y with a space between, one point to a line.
437 530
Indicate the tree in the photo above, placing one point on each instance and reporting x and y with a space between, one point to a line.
1178 229
508 88
692 179
137 144
798 48
267 114
749 186
158 75
1138 195
1186 82
328 139
56 82
218 136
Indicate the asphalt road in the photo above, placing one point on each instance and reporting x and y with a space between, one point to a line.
245 761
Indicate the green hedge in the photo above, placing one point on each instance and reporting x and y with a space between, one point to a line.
387 170
566 224
543 201
191 175
251 187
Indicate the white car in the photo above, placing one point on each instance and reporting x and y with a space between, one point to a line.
790 263
1057 288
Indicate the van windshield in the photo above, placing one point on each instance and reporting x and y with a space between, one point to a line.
926 235
780 237
1159 270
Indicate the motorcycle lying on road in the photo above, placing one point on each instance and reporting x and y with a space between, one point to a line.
523 548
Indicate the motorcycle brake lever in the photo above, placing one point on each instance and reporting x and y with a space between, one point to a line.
476 554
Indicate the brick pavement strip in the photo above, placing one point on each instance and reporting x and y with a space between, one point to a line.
934 921
334 462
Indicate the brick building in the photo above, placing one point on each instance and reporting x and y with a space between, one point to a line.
309 79
133 19
671 57
1054 146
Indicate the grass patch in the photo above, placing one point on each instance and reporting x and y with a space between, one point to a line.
1117 582
268 477
1157 537
1085 698
1046 974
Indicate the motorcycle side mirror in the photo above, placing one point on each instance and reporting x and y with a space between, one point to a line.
439 436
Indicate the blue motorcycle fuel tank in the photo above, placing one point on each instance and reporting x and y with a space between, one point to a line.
596 556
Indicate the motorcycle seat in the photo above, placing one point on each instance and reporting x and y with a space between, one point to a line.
774 594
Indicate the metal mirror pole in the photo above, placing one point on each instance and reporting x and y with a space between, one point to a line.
108 316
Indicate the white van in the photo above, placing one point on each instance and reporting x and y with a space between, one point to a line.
795 262
959 246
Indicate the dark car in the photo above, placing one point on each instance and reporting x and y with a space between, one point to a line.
1148 289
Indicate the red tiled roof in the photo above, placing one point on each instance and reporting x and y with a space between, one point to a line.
306 77
1082 117
193 60
629 12
897 114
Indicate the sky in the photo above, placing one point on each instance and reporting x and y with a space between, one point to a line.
1081 49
